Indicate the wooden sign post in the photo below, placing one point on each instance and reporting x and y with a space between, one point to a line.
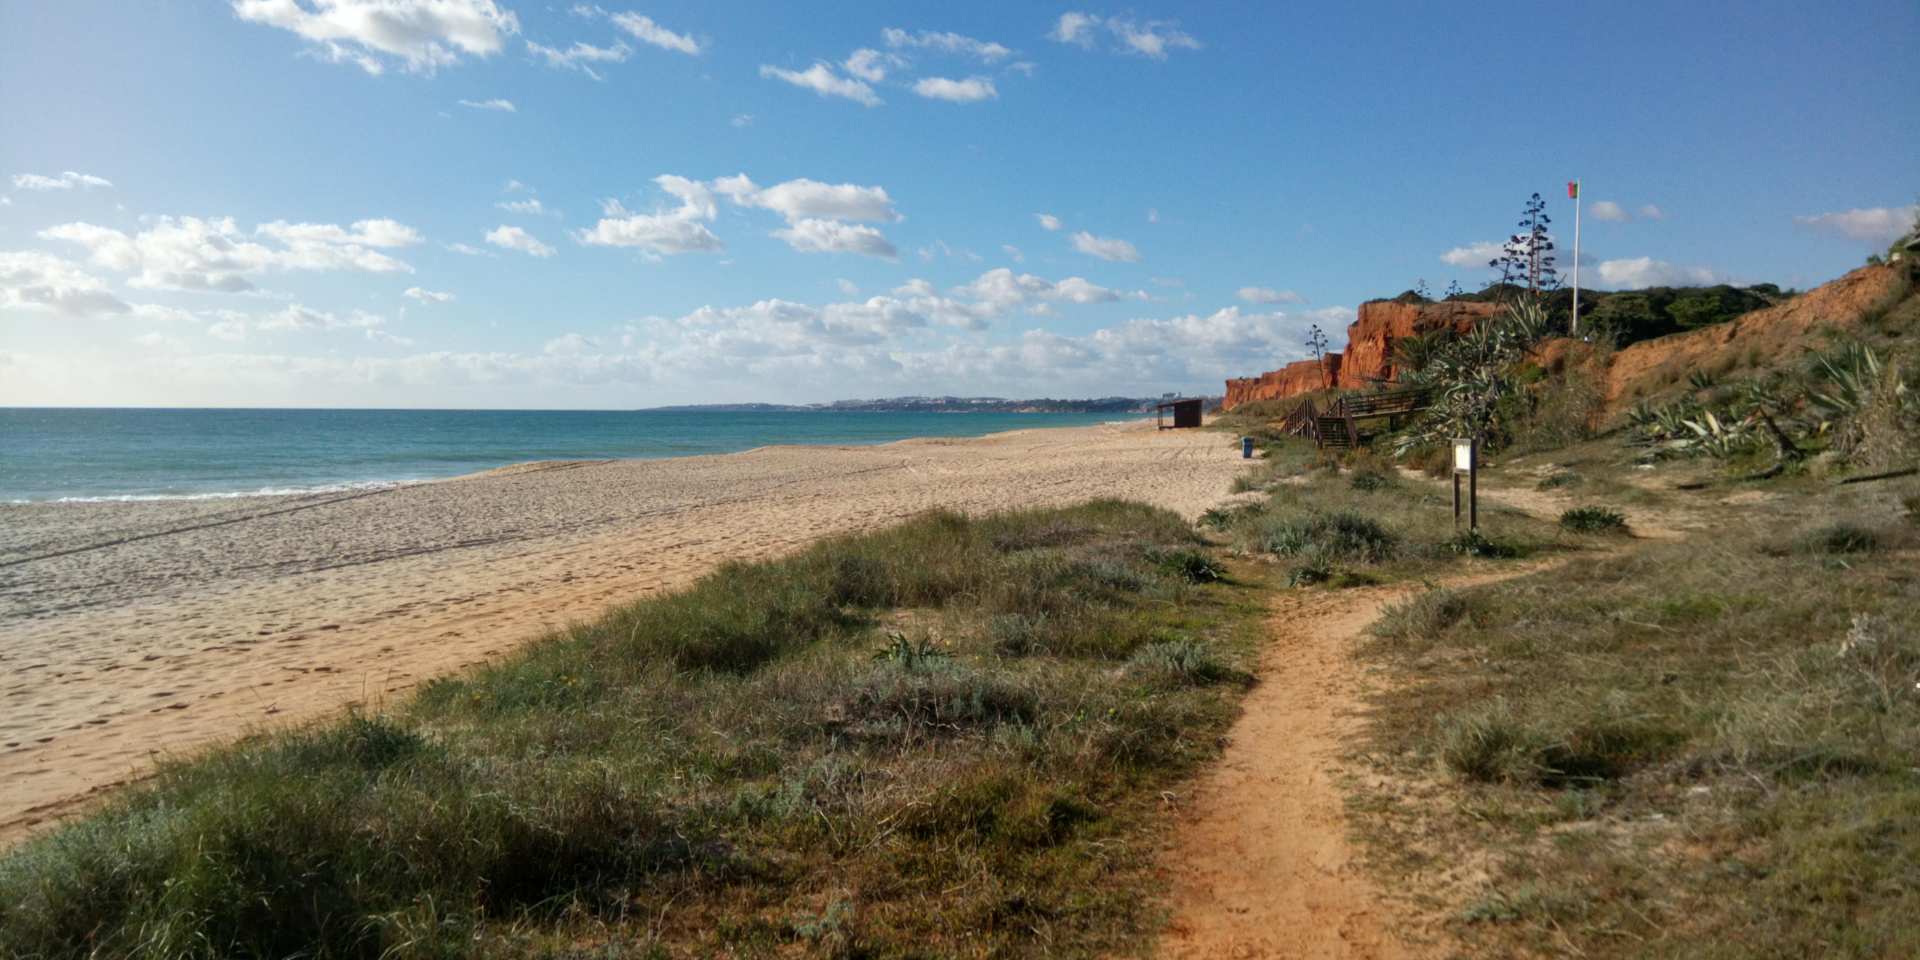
1466 460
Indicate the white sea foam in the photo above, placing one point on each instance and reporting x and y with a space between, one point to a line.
364 486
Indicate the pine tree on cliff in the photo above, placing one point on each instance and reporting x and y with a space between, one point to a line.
1528 256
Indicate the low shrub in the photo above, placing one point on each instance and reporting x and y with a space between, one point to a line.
1423 616
1335 535
1593 520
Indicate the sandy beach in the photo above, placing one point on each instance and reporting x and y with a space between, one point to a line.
141 629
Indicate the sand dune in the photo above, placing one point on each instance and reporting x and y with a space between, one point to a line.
136 629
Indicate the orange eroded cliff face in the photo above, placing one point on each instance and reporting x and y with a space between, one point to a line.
1368 358
1298 377
1762 339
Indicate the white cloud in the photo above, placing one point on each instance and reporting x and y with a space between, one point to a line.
871 65
514 238
970 90
947 43
468 249
1638 272
1047 221
530 206
835 236
1153 215
501 105
427 296
847 287
1001 289
1075 28
1151 38
1610 212
681 230
1013 253
424 35
1651 212
1269 295
189 253
645 30
821 79
232 325
1472 255
801 198
580 56
65 181
742 120
36 281
1106 248
1877 225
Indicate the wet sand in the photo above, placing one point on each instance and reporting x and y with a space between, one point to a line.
130 630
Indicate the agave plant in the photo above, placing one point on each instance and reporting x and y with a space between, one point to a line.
1864 403
1472 374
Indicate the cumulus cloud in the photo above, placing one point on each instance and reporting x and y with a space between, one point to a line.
794 199
871 65
423 35
427 296
1075 28
1001 289
65 181
1269 295
1472 255
680 230
1638 272
530 206
821 79
514 238
970 90
498 104
38 281
1047 221
1876 225
190 253
1149 38
1106 248
646 31
835 236
815 213
580 56
987 52
1608 211
1651 212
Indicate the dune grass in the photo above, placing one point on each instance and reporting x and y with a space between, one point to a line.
1701 748
1356 519
947 738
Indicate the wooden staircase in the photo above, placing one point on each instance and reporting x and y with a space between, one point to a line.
1354 419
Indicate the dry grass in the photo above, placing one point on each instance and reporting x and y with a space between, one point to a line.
943 739
1703 748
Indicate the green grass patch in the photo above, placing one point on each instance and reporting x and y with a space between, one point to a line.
1696 748
944 738
1594 520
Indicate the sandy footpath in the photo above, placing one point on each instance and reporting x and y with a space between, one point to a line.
134 629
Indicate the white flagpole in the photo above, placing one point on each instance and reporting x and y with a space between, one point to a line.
1574 325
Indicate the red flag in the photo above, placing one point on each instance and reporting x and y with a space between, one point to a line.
1573 189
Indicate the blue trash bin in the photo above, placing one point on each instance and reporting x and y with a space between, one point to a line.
1246 448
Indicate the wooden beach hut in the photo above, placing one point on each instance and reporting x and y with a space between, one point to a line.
1186 413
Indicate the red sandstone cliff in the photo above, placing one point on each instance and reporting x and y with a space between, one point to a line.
1368 358
1298 377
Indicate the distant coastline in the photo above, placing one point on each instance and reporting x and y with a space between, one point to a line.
933 405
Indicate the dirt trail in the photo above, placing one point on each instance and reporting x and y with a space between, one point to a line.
1261 865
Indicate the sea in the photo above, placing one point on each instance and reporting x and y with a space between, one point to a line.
104 454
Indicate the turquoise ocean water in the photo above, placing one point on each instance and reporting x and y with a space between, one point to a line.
89 454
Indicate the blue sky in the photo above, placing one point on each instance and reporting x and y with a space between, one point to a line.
327 202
